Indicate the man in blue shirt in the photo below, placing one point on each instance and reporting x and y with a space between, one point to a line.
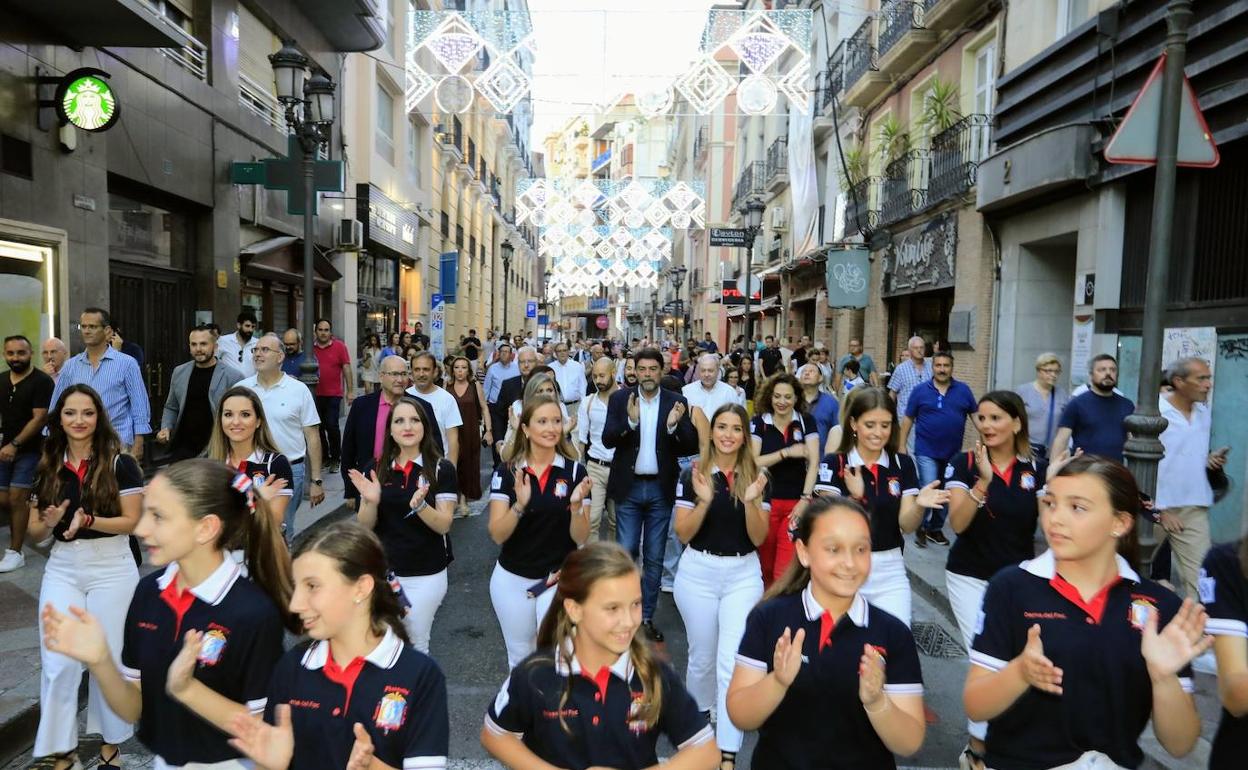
1094 419
292 343
938 409
820 405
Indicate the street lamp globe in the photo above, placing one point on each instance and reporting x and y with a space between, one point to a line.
754 213
320 92
290 70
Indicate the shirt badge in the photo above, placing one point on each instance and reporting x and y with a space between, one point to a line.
391 710
1027 481
797 434
637 725
1138 614
949 471
561 489
894 487
211 648
1207 587
496 482
825 473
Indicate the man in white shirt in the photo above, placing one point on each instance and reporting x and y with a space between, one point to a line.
570 375
1183 491
590 421
445 409
236 349
291 416
707 394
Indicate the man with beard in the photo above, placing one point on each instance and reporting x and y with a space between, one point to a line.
1094 419
195 390
590 422
292 346
236 349
25 394
628 373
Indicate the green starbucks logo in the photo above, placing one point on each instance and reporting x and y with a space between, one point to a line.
86 100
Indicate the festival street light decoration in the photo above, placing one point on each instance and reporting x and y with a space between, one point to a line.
457 39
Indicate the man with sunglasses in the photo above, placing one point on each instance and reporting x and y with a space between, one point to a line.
236 349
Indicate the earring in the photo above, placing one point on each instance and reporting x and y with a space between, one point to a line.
572 633
1116 534
357 600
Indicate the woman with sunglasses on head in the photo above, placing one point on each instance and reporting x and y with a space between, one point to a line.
816 647
408 498
87 498
1076 652
200 638
356 694
241 440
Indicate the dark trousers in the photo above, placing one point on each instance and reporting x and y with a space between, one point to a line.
328 408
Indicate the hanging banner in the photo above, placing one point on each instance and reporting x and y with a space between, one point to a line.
437 326
848 271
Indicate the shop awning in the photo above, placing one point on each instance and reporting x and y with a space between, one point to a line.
736 311
81 23
280 258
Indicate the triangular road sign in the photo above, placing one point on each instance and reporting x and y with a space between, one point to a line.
1135 141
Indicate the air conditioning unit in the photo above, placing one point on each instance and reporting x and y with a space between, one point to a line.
779 219
350 234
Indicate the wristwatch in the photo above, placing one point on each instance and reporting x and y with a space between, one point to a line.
318 482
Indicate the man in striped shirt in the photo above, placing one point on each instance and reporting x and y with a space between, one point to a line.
114 375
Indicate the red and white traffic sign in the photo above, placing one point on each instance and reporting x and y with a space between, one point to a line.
1135 141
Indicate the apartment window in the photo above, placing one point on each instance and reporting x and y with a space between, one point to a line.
415 140
446 225
180 13
386 12
984 95
384 133
1070 14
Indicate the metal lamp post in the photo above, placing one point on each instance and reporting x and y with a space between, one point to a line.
752 211
677 274
309 104
507 251
654 316
545 300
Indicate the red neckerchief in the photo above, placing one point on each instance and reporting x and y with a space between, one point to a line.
80 471
600 681
1095 608
1006 474
179 601
827 624
728 478
242 467
542 479
405 469
343 676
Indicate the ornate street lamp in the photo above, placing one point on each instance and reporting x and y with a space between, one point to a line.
752 211
677 274
507 251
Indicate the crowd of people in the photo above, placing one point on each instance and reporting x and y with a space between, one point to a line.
770 490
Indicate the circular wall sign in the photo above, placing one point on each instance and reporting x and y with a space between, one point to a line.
85 99
602 322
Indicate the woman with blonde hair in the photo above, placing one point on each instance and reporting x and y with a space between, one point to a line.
1045 400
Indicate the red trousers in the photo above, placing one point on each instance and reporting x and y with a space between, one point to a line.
777 550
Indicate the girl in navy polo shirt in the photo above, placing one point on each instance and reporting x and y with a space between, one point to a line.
1223 587
1076 651
721 516
88 497
868 468
785 440
241 439
409 500
200 639
993 507
539 513
815 647
594 695
357 695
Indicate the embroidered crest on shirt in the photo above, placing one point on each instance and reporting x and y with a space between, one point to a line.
1207 587
949 471
797 434
561 488
1138 613
211 648
391 711
894 487
635 724
1027 481
825 473
496 483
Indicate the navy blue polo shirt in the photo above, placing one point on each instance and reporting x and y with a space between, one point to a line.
595 726
412 546
885 484
1224 592
1107 697
821 722
542 538
261 465
1002 532
73 478
939 418
723 531
242 642
1096 425
397 693
788 477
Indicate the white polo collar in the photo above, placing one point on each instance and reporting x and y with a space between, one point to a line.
854 459
622 668
211 591
857 609
418 460
1045 566
559 462
384 655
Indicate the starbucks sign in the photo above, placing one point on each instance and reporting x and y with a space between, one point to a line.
85 99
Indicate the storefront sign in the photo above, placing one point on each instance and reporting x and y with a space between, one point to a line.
847 272
84 99
921 258
386 222
728 236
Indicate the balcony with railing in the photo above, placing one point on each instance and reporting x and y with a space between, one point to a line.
862 211
863 80
834 75
956 154
261 102
778 165
749 183
905 186
903 36
192 57
949 14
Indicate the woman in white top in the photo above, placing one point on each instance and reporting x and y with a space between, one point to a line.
370 362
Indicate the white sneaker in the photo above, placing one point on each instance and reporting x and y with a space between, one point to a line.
13 560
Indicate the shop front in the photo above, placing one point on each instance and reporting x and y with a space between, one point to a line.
272 285
388 285
918 283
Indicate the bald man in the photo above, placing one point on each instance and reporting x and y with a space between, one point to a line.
55 354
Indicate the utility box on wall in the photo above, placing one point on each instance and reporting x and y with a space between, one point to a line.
962 325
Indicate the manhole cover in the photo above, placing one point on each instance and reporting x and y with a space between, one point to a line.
935 642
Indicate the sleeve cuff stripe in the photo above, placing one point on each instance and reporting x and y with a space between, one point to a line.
827 489
131 674
684 504
131 491
421 763
1226 627
447 497
495 728
500 498
286 493
698 738
755 664
904 689
911 492
257 706
956 485
1185 682
987 661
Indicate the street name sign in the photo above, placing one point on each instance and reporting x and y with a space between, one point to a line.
728 236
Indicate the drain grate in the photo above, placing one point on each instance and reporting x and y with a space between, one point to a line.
935 642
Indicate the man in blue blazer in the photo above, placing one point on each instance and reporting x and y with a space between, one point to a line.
359 437
649 429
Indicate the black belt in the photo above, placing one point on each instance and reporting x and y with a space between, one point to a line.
718 553
645 477
596 461
296 462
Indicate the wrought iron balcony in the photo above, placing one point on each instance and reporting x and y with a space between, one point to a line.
834 75
860 54
898 17
778 162
905 186
750 182
956 155
861 205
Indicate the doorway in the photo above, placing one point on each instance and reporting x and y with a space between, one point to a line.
153 307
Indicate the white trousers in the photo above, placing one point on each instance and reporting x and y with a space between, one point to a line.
1090 760
229 764
966 596
887 586
98 575
715 595
518 615
425 593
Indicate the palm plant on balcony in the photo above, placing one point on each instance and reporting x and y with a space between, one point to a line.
856 164
894 141
940 107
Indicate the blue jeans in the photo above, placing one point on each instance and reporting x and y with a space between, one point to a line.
642 519
299 471
673 549
931 469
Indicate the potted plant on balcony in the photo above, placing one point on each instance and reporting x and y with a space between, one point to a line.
940 107
856 165
894 141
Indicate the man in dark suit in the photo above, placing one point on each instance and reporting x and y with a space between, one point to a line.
512 390
649 429
361 444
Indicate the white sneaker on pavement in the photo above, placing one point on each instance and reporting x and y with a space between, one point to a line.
13 560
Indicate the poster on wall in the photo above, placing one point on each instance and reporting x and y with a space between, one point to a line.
1081 350
1191 342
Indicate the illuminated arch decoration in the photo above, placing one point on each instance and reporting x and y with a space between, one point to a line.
772 45
457 40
